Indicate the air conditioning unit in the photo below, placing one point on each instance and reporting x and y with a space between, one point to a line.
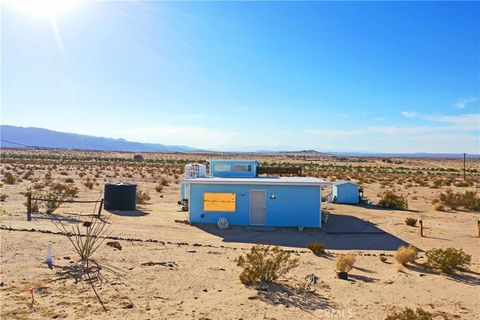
195 170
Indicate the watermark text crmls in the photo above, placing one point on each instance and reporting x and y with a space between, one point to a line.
334 314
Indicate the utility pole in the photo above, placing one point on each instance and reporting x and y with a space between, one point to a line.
464 159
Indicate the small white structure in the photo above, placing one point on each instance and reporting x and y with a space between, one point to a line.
346 192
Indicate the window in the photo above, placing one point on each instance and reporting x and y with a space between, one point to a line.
219 167
225 202
242 168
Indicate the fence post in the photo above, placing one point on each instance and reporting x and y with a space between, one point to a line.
478 225
421 228
29 207
100 209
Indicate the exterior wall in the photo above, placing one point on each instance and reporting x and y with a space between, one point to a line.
293 205
233 174
346 193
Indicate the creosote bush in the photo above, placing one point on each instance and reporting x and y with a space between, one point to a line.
410 221
345 262
449 260
317 248
405 255
265 264
142 196
391 200
409 314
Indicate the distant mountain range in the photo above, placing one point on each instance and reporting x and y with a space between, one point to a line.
25 137
18 137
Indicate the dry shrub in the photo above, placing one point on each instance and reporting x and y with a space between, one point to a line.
9 178
449 260
164 182
159 188
383 259
89 184
55 195
142 196
468 200
265 264
317 248
3 197
59 192
409 314
345 262
405 255
390 200
410 221
439 207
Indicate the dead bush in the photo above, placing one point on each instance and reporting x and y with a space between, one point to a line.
449 260
390 200
405 255
345 262
409 314
159 188
265 264
142 196
410 221
439 207
317 248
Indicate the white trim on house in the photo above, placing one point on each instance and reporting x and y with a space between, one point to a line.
290 181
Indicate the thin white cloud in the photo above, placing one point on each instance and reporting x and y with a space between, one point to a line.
462 103
333 133
243 109
409 114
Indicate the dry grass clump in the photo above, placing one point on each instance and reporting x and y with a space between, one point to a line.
317 248
410 221
449 260
142 196
409 314
405 255
345 262
265 264
391 200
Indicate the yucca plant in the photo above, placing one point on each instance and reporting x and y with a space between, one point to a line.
410 221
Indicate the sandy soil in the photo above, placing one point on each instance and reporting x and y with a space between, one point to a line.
200 280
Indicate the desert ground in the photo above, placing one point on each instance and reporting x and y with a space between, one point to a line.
169 269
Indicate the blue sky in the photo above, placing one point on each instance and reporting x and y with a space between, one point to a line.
330 76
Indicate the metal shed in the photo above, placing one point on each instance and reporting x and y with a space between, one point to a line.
346 192
235 192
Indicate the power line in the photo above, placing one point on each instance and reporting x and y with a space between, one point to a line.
20 144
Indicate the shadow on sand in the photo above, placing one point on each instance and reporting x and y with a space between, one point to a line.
282 294
128 213
343 232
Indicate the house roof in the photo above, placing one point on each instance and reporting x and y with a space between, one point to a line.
297 181
341 182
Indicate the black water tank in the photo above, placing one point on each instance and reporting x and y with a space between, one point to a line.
120 196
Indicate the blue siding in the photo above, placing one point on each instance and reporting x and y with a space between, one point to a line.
293 205
346 193
231 173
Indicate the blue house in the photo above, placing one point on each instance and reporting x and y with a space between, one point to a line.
234 191
346 192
